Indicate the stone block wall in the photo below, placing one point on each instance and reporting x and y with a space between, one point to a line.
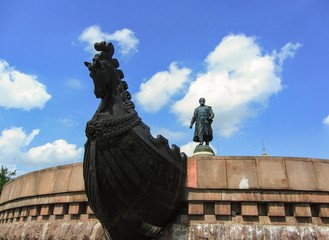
278 173
48 204
226 198
257 198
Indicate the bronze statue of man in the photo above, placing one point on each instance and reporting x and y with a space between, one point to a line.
202 117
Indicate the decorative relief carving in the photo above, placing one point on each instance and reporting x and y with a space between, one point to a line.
111 127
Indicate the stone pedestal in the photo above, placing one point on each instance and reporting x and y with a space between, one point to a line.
203 150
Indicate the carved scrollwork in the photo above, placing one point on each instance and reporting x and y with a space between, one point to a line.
123 86
148 162
129 106
126 96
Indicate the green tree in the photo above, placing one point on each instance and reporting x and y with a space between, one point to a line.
5 176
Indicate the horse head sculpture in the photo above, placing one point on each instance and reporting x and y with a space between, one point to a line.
108 85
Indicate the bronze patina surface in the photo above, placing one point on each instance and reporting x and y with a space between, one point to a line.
202 117
134 182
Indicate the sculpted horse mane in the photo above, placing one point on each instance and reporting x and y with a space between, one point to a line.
134 182
107 81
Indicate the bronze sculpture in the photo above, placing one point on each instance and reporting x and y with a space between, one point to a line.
134 182
202 117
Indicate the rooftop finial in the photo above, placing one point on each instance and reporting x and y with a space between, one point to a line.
264 154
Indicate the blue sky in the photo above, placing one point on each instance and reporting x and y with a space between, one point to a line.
262 65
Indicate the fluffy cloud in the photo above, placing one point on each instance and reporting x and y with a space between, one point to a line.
13 141
14 149
20 90
158 90
238 82
125 39
58 151
325 121
188 148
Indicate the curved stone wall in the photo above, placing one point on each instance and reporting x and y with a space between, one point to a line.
258 198
226 198
48 204
277 173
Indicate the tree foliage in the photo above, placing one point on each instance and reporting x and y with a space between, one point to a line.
5 176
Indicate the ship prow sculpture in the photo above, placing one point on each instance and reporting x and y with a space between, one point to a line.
134 182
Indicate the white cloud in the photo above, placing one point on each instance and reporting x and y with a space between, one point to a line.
58 151
158 90
238 82
20 90
325 121
125 38
14 149
188 148
287 50
13 141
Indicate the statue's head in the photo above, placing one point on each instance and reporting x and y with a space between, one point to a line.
202 101
103 68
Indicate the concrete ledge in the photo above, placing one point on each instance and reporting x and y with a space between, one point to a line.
257 195
46 199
